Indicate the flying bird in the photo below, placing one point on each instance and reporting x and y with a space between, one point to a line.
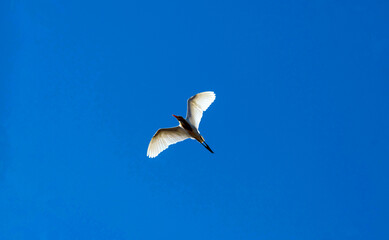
188 127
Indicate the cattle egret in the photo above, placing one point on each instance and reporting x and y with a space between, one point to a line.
188 128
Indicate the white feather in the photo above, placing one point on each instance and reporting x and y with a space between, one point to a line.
197 105
165 137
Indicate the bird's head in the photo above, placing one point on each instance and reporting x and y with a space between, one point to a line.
179 118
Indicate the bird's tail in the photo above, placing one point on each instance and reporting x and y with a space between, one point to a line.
206 146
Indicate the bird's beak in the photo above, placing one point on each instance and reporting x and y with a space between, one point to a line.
174 116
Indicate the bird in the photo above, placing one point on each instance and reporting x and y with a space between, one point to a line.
188 127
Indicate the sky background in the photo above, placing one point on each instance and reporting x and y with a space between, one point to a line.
300 125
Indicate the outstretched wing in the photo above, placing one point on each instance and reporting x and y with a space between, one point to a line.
197 105
165 137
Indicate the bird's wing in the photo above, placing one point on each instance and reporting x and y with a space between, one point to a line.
197 105
165 137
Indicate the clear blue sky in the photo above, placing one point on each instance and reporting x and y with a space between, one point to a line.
300 125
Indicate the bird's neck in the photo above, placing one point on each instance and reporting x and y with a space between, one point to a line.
185 125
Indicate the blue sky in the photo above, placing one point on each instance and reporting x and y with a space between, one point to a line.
300 125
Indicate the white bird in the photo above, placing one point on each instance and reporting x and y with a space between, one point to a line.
188 128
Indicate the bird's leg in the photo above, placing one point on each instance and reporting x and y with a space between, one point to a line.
206 146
